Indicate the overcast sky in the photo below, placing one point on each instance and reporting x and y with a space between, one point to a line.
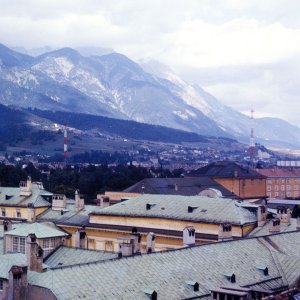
245 52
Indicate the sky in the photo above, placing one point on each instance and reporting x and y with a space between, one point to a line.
244 52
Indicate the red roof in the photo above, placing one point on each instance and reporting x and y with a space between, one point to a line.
289 173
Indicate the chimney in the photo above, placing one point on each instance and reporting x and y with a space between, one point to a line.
34 254
26 187
225 232
135 239
284 215
7 225
17 283
125 249
261 215
59 202
31 212
150 242
189 236
80 239
298 223
79 202
274 225
104 202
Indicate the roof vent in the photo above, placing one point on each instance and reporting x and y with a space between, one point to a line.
264 269
192 208
149 206
151 293
230 277
194 285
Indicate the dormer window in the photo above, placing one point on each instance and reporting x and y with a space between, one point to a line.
19 244
18 213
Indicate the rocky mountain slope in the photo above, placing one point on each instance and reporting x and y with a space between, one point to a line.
114 86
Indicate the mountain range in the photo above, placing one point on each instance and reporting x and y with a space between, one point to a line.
112 85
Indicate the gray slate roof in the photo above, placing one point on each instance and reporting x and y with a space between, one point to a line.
227 169
70 215
264 230
41 230
185 186
168 272
36 199
9 260
209 210
67 256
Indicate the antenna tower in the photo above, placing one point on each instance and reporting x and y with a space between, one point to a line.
252 148
66 142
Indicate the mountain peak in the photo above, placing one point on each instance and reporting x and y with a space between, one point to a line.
10 58
65 52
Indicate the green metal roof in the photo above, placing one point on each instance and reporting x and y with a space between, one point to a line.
264 230
9 260
41 230
210 210
70 215
168 272
67 256
10 196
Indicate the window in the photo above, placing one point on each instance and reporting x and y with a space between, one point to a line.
48 245
288 187
276 187
268 188
296 194
282 181
276 194
18 213
288 194
269 194
296 187
282 187
18 244
269 181
3 212
287 181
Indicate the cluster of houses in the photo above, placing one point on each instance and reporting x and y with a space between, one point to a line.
184 238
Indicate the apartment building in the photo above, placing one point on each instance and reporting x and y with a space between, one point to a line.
282 183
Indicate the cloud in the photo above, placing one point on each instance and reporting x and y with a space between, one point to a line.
244 52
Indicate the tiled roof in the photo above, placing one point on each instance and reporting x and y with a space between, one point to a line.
264 230
177 186
210 210
41 230
70 215
226 169
66 256
14 199
288 173
168 272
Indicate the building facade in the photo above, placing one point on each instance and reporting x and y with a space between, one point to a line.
283 183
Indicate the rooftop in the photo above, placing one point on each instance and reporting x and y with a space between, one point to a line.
69 215
227 169
177 186
204 209
67 256
41 230
284 173
264 230
169 273
10 196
